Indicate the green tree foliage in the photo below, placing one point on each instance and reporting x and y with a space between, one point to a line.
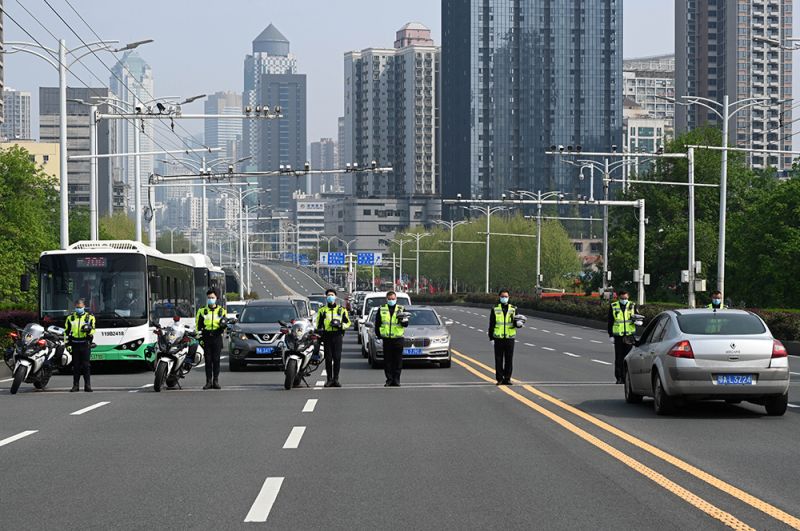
512 258
119 227
168 242
28 220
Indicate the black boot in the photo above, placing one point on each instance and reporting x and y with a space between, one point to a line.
74 389
207 386
87 388
215 384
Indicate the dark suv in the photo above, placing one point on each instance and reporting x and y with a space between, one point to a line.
256 339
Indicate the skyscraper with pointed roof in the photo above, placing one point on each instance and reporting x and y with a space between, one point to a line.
270 55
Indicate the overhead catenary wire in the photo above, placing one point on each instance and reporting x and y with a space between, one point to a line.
78 61
149 94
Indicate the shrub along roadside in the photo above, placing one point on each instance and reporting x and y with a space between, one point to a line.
784 324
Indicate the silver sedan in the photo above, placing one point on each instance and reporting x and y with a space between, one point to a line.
686 355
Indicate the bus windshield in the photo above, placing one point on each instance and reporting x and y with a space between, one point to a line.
112 285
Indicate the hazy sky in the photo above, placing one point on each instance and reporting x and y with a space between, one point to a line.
200 45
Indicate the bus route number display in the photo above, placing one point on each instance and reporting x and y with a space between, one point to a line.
91 262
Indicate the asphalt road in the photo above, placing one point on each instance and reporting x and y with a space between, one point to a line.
448 450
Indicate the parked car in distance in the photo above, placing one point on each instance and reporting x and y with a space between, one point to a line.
367 332
234 308
256 338
426 339
375 299
704 354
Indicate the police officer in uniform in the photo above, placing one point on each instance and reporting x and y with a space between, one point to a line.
503 331
391 331
716 301
79 331
210 324
332 321
621 328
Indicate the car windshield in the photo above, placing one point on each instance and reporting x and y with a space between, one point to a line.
268 314
318 298
423 318
234 307
720 324
374 302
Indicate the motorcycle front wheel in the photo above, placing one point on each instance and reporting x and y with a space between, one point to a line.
291 373
161 376
19 375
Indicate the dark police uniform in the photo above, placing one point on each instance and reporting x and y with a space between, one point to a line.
392 333
80 343
503 332
209 325
332 338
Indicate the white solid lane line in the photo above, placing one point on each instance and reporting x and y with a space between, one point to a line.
795 373
570 354
6 380
293 441
790 405
311 403
17 437
145 386
259 512
601 362
87 409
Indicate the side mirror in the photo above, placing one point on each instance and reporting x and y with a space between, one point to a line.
25 282
233 320
369 325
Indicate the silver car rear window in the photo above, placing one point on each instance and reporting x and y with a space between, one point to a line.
720 324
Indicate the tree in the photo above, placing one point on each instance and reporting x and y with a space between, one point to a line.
167 242
118 226
28 220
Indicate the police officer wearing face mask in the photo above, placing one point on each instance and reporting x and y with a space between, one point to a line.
391 331
502 331
210 324
716 301
621 327
79 333
332 321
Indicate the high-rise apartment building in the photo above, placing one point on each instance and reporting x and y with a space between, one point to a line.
270 56
391 114
732 47
110 193
322 157
222 132
520 76
650 82
132 83
16 115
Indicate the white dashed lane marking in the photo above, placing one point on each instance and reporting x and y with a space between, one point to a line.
293 441
259 512
90 408
596 341
311 403
570 354
548 348
17 437
529 345
601 362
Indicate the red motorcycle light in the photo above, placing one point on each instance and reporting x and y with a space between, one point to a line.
13 335
41 342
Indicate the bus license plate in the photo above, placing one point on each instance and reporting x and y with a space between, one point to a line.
96 357
265 350
412 351
734 379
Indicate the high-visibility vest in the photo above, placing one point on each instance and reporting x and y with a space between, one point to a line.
74 326
711 307
390 325
623 319
210 318
504 322
326 315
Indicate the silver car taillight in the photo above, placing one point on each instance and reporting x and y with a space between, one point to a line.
778 349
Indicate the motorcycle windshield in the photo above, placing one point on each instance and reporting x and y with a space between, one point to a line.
32 333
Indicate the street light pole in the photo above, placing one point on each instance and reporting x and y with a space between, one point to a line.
691 291
62 141
204 212
606 185
723 200
137 182
93 222
451 225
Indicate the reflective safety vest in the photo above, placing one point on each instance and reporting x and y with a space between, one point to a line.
209 318
721 307
326 314
504 322
74 326
623 319
390 325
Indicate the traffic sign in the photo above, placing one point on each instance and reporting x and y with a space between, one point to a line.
335 259
369 259
323 258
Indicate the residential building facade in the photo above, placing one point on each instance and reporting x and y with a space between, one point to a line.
650 82
222 132
43 154
732 48
16 123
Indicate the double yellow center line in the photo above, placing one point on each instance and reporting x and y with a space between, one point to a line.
486 373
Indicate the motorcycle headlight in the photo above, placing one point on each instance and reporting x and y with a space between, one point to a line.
171 337
243 337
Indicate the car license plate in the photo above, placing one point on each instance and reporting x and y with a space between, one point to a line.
96 357
265 350
734 379
412 351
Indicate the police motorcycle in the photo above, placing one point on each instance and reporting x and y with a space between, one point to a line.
35 354
176 352
300 355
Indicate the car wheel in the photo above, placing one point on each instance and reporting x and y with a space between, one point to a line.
776 405
662 402
235 366
630 396
445 364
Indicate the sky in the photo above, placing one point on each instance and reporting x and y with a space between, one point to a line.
200 45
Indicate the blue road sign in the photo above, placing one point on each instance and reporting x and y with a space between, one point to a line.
335 259
365 259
